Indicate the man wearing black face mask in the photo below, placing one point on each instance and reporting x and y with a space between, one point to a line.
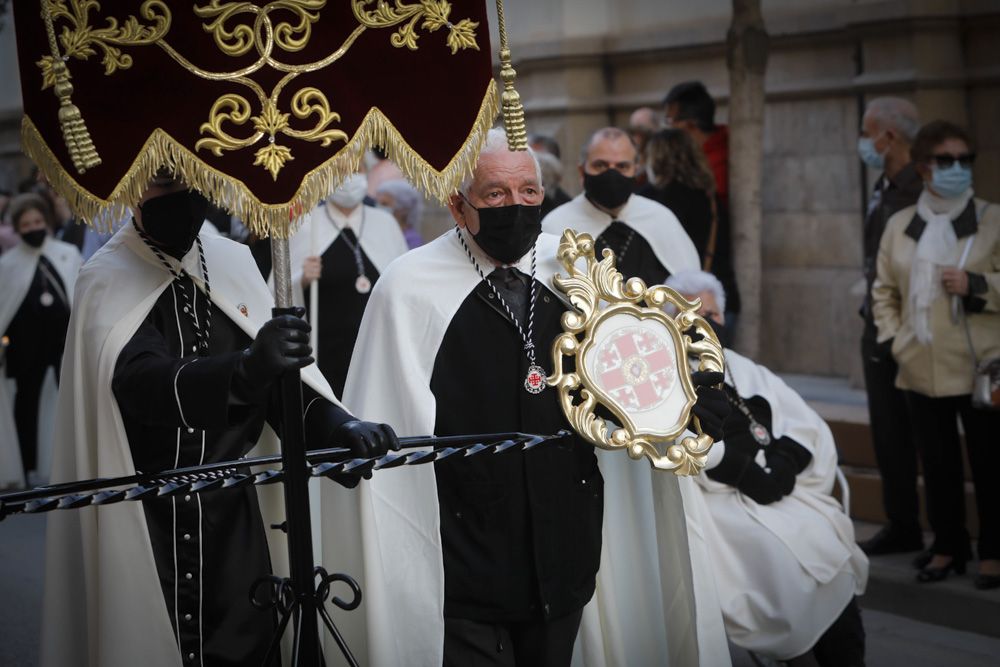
174 356
647 239
37 277
518 537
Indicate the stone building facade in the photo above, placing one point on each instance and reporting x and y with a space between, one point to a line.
583 64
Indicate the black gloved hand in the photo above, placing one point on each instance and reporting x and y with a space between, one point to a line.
798 457
365 439
281 345
762 487
712 407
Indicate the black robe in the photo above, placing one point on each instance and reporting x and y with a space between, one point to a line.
638 259
208 549
521 532
341 307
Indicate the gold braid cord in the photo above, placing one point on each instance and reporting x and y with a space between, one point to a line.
629 356
513 110
253 122
56 74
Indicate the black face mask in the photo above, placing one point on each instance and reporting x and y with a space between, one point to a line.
720 332
506 233
610 189
35 238
174 220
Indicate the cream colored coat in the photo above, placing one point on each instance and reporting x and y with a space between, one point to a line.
944 367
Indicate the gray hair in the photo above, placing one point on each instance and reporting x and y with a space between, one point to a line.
496 141
612 133
897 114
407 199
552 170
696 281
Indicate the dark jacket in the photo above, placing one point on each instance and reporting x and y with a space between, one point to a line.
888 197
694 210
521 531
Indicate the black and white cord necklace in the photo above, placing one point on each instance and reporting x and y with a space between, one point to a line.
362 284
534 380
201 333
48 280
757 430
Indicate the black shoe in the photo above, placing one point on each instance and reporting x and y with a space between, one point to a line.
985 582
921 560
890 541
929 574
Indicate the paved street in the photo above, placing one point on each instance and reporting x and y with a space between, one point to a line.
892 640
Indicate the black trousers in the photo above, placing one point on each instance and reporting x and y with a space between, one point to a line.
29 392
895 451
528 644
843 644
935 427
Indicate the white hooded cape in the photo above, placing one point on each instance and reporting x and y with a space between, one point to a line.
804 566
103 604
652 220
398 562
17 269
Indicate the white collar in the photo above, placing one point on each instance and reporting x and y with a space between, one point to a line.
340 221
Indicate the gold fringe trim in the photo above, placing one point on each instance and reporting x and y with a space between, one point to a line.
278 220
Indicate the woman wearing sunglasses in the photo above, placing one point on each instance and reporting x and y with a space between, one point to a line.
936 293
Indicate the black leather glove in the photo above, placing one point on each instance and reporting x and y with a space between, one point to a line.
712 407
281 345
365 439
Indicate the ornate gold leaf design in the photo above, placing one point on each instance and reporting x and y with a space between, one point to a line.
229 108
598 292
235 109
81 41
307 102
243 37
435 13
273 157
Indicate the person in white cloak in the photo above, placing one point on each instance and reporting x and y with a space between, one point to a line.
646 237
37 278
781 546
337 254
501 551
171 360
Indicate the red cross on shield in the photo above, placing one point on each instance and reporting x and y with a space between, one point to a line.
636 369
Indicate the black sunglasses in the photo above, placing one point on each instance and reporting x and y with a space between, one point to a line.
946 160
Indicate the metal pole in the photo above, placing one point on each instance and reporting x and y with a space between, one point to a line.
306 649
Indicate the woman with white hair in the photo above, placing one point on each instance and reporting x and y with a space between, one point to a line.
781 547
406 205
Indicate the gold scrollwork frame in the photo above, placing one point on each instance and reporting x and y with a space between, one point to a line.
597 292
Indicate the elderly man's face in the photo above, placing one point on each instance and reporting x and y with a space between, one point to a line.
501 178
614 153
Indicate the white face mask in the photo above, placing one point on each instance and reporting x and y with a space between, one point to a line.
351 192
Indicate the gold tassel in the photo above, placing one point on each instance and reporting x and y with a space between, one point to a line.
513 110
80 146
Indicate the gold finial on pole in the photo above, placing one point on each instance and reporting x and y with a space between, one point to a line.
513 110
75 134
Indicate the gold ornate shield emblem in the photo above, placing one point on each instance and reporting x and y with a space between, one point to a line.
622 351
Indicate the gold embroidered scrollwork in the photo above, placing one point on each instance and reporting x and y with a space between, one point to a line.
270 122
435 13
80 40
602 300
238 40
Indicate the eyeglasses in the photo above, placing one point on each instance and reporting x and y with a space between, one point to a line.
946 160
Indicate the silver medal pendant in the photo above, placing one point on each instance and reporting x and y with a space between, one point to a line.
760 434
46 299
534 381
363 285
